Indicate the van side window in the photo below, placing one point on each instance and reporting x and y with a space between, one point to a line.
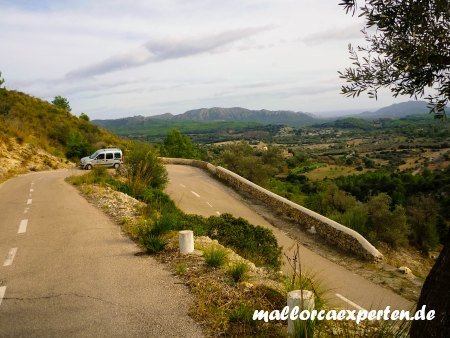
109 156
101 157
117 155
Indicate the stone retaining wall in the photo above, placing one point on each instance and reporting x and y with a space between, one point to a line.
333 232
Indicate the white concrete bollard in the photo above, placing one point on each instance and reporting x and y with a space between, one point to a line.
294 298
186 240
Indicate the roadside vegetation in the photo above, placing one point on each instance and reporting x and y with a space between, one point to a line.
161 216
384 204
222 305
228 274
50 126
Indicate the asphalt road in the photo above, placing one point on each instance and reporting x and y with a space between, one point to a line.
66 270
195 191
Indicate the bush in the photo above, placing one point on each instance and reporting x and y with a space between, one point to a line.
144 168
157 201
422 216
255 243
153 244
355 218
179 145
243 315
389 226
238 272
77 147
150 238
215 257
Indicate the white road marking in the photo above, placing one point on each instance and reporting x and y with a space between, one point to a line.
10 257
195 193
182 185
31 190
218 213
23 226
209 204
29 201
2 293
348 301
32 183
26 210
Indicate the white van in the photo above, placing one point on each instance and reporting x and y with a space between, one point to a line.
110 157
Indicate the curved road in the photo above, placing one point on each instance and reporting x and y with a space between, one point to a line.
66 270
195 191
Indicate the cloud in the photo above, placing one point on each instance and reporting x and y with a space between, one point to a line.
161 50
334 33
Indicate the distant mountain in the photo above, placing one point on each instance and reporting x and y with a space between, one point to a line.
397 110
246 115
216 114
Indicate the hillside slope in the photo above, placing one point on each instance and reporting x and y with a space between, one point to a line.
36 135
397 110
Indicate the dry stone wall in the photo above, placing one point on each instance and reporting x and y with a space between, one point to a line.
333 232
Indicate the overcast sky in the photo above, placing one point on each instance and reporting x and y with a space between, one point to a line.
116 58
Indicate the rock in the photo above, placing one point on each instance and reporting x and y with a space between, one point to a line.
312 230
405 270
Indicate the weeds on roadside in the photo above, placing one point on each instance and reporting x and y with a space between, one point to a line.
215 257
150 237
180 268
238 272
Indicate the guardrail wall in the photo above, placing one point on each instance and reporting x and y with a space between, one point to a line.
333 232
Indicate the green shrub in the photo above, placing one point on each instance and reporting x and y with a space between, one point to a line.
164 224
78 147
157 201
389 226
152 243
255 243
242 314
179 145
215 257
196 223
144 168
238 272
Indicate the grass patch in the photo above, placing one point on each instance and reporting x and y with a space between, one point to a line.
180 268
153 244
215 257
239 272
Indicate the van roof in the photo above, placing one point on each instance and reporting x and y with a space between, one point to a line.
112 149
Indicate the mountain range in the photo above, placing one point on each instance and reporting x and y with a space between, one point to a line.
217 114
396 111
237 114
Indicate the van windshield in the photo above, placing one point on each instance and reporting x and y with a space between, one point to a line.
94 155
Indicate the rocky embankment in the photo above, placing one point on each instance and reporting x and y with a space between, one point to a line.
18 158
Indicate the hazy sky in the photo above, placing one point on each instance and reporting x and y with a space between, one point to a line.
120 58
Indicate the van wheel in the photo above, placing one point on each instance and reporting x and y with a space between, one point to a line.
116 165
88 167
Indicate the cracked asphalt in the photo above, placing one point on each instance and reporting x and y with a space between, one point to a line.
74 274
